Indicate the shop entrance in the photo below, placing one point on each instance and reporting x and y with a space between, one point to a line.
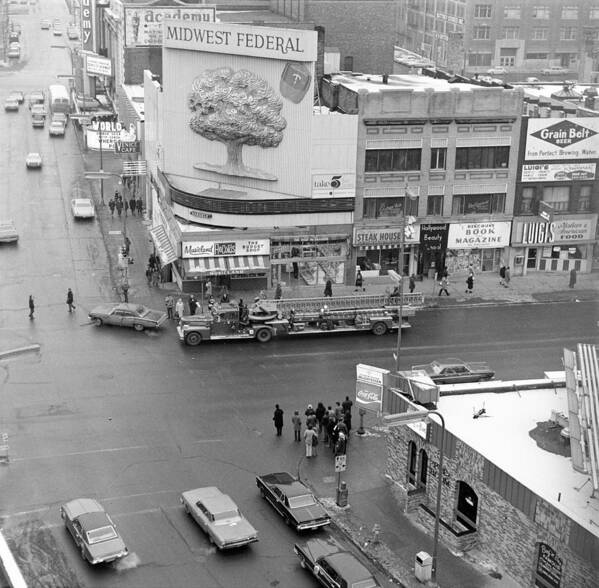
467 506
531 258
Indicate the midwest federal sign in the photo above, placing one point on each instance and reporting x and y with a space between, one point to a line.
235 39
566 138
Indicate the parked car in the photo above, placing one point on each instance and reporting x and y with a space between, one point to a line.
38 120
33 160
293 501
333 566
18 95
36 97
93 531
8 232
498 70
56 31
218 516
60 117
45 25
553 70
455 371
125 314
82 208
56 129
13 53
38 109
11 104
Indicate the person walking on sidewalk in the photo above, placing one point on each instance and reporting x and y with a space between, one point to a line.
155 277
278 291
125 290
311 440
31 307
193 304
111 205
132 205
502 275
507 277
572 278
169 302
119 207
444 285
297 426
208 289
328 289
179 308
470 283
278 419
125 205
359 281
140 206
70 300
412 282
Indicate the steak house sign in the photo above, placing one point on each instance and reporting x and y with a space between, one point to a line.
568 138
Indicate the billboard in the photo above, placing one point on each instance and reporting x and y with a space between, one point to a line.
143 26
98 66
370 382
88 24
334 185
557 172
564 230
238 106
490 235
565 138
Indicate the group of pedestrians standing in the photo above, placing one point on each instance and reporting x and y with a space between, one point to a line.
333 423
121 204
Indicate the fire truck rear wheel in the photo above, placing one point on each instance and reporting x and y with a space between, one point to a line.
379 328
193 339
263 335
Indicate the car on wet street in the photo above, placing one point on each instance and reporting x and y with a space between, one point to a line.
124 314
455 371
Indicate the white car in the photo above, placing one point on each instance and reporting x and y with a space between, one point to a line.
33 160
56 129
11 103
82 208
219 517
554 70
8 232
497 71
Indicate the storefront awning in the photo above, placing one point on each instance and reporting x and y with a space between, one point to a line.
213 266
165 249
247 264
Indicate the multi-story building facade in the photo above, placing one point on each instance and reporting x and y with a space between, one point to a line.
472 36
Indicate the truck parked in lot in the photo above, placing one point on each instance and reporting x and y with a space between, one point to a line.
266 319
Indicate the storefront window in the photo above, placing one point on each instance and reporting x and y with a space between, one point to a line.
478 203
389 207
480 260
526 201
584 200
383 260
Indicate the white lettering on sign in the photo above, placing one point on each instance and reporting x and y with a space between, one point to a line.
478 235
198 250
539 233
86 23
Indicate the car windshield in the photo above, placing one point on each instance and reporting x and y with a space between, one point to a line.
301 501
101 534
222 517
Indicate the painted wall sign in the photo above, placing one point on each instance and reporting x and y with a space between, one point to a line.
566 138
144 26
490 235
225 248
558 231
232 39
558 172
333 185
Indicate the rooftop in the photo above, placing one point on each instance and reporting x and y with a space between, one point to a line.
502 436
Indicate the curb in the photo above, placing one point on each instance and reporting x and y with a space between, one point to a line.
9 565
19 350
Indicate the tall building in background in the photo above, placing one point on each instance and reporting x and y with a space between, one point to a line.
525 37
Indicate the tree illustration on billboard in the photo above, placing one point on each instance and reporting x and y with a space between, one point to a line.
236 108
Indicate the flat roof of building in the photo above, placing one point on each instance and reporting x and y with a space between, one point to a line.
502 435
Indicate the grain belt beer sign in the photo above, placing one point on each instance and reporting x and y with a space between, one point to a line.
566 138
370 383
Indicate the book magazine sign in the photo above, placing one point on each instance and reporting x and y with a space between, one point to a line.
491 235
369 387
238 101
225 248
557 172
565 138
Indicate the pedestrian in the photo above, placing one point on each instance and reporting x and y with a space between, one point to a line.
127 245
310 416
278 291
444 283
359 280
132 205
508 277
111 206
278 420
342 427
125 205
346 405
155 277
412 283
119 207
320 412
149 274
31 306
502 275
330 425
70 300
340 444
193 304
572 278
338 411
297 426
140 206
125 289
325 425
169 302
179 308
117 196
208 289
224 297
347 421
328 289
311 440
470 283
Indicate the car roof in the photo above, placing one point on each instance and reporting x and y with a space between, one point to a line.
34 154
81 201
349 567
94 520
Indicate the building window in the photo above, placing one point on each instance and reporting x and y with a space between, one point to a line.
386 160
507 60
482 32
479 59
539 34
412 462
348 63
434 205
482 11
542 56
423 468
511 32
389 207
438 157
541 12
511 12
594 13
526 202
569 12
482 157
584 200
567 34
478 203
558 197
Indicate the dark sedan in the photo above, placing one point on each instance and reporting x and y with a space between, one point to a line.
293 501
333 566
455 371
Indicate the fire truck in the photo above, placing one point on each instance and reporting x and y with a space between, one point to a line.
266 319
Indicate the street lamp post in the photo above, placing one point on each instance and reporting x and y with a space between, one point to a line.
416 417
